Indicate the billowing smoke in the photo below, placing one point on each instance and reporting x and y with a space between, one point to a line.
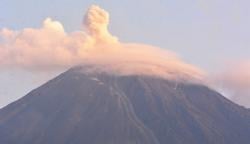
96 22
235 82
51 48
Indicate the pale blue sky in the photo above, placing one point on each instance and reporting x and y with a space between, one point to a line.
205 33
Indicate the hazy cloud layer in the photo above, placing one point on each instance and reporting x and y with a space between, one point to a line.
51 48
235 82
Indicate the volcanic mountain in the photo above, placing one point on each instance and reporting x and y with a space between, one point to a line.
102 108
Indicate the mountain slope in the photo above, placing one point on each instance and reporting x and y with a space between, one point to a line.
99 108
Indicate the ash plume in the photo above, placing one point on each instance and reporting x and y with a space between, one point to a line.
51 48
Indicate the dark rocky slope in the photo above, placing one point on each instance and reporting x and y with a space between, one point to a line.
77 108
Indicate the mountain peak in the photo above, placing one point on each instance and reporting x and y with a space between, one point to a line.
98 108
140 69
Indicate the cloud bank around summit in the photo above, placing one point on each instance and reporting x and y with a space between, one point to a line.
51 48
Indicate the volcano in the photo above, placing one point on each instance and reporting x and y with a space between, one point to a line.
101 108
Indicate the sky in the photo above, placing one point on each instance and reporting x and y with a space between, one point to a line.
210 34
